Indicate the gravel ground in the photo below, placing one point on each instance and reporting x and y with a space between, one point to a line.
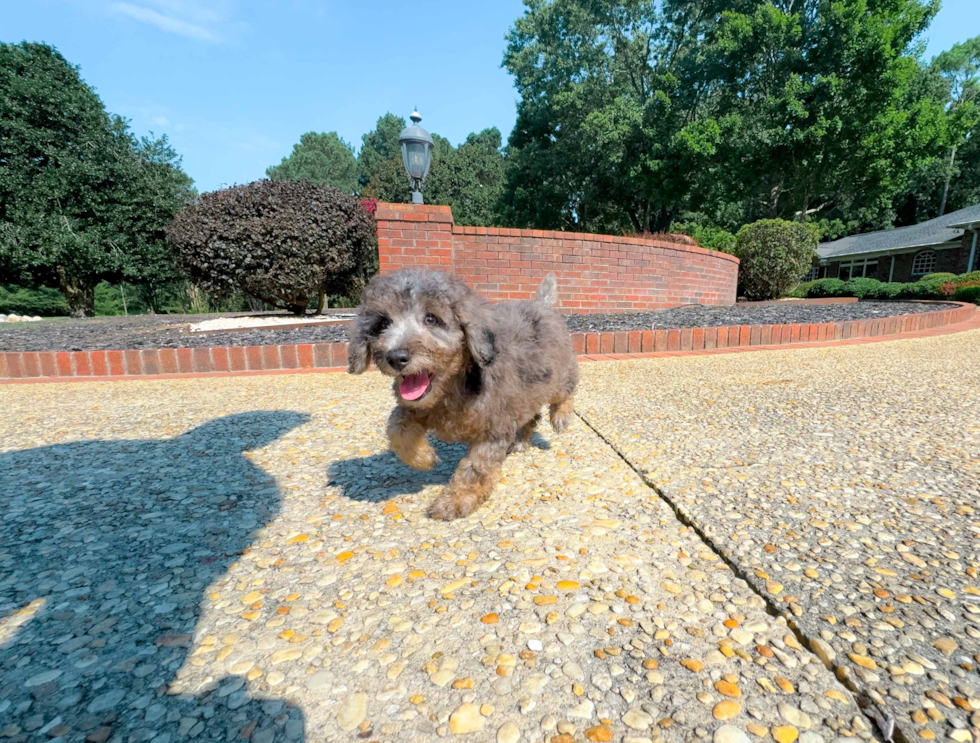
697 316
229 559
844 483
171 331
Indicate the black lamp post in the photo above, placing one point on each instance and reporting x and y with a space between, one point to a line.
416 145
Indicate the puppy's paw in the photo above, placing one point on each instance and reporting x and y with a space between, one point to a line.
450 505
423 458
561 415
517 446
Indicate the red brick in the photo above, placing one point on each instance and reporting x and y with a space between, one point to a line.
634 343
765 335
592 343
755 335
202 360
30 364
288 356
606 343
578 343
744 335
321 355
687 335
134 364
253 357
726 335
659 340
710 338
185 360
338 354
79 360
151 361
15 369
49 364
304 355
270 357
65 368
117 366
4 373
236 358
219 358
646 341
100 367
168 360
621 342
673 340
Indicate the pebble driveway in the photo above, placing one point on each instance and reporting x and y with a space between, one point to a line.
240 559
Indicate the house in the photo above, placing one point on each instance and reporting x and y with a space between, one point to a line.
944 244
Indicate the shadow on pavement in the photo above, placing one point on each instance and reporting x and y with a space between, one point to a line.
107 550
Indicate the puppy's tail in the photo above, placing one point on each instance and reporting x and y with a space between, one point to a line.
547 290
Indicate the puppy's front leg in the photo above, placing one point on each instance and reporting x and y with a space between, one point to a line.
406 437
472 481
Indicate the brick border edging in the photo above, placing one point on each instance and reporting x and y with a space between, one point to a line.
230 360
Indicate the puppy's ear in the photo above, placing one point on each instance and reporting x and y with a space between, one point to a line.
358 349
474 316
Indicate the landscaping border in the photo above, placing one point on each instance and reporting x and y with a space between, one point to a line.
177 362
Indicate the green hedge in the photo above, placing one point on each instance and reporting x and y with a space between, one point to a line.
44 301
928 287
967 294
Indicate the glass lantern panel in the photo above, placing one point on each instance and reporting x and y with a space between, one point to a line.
416 159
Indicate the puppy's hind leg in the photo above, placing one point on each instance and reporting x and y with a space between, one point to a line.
472 481
524 434
560 413
406 437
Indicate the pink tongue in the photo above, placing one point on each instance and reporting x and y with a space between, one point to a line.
414 386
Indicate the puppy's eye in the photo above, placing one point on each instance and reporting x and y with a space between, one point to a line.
380 325
431 320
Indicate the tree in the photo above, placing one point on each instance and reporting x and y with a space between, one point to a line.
320 158
774 255
379 146
284 242
960 67
633 113
81 199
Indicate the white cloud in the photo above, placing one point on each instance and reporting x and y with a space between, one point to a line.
202 21
160 121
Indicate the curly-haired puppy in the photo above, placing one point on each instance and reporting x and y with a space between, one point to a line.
465 369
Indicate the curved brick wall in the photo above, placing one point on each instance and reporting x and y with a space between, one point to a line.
596 273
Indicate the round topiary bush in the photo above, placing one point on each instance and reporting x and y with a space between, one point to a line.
774 255
860 287
826 288
284 242
967 294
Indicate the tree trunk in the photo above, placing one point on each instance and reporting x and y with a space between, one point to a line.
321 301
949 174
79 295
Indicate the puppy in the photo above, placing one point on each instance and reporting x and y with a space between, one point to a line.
465 369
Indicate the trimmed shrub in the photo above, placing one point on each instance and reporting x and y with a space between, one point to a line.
943 276
283 242
967 294
972 276
801 291
826 288
712 238
774 255
859 287
885 291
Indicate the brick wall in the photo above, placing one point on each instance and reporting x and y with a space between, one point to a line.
596 273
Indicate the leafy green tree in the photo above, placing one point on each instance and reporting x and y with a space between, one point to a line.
960 67
379 146
81 199
320 158
634 112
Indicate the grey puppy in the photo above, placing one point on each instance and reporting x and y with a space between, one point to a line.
465 369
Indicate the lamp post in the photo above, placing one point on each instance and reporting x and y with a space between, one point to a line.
416 144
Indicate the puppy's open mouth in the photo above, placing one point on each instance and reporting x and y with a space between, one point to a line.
414 386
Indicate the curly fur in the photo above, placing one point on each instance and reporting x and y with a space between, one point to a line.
492 368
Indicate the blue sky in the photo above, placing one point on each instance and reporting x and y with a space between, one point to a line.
234 84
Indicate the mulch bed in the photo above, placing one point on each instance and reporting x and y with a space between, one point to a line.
171 331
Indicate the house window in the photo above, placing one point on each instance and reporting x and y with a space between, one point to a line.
858 268
924 262
812 274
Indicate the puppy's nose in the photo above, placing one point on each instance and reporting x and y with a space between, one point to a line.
398 359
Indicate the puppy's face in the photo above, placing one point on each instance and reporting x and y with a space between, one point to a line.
413 325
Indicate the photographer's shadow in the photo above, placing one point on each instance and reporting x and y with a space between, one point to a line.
107 552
